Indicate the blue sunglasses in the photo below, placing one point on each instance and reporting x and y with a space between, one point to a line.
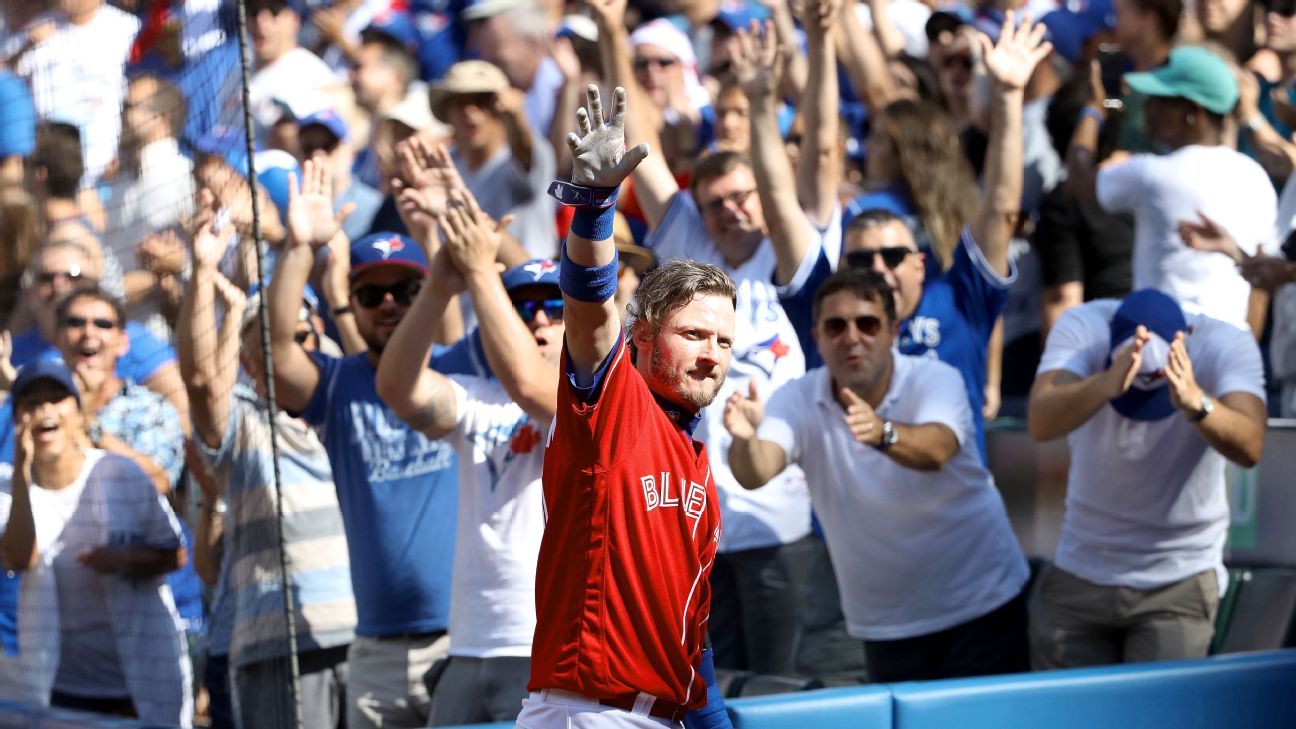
553 309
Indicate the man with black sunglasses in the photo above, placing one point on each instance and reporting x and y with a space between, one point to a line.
952 314
397 489
932 578
496 425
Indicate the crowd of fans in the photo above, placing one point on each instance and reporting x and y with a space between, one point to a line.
935 213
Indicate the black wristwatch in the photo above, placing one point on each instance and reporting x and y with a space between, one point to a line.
889 435
339 311
1207 407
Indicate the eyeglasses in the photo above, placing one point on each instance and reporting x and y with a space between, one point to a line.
642 64
552 308
372 296
739 198
49 277
1285 8
867 325
891 257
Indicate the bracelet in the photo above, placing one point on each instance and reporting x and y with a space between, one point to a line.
339 311
1091 112
1254 122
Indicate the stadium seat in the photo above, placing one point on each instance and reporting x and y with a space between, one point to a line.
1224 616
1252 691
1262 612
16 716
730 682
862 707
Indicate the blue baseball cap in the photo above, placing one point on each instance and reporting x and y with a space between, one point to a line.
738 14
387 249
228 143
540 272
395 26
17 117
1070 28
44 369
328 119
1148 397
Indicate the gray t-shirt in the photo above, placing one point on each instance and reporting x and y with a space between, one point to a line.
502 187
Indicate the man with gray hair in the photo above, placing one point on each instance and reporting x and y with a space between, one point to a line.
514 35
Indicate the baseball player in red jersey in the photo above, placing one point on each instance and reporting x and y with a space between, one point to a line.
622 593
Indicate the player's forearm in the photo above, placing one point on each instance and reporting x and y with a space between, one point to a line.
511 349
592 323
754 462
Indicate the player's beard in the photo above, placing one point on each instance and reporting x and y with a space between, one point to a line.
695 394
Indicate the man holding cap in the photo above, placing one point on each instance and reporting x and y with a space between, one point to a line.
97 625
501 162
1152 403
1198 178
396 488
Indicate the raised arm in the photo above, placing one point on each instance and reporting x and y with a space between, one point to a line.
1009 63
864 61
419 395
795 69
209 363
819 166
1082 149
755 65
655 186
311 224
472 241
600 163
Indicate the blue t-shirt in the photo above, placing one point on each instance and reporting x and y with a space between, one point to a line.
952 323
145 357
398 492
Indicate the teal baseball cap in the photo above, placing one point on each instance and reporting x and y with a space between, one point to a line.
1192 73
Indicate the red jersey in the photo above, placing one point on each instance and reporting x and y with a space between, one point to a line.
633 522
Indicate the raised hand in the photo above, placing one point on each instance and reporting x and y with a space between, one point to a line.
472 239
1185 394
562 53
428 170
823 13
599 154
208 247
1011 61
756 62
311 220
1125 364
744 414
865 425
1206 235
608 13
8 373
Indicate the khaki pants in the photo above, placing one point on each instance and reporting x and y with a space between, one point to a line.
385 688
1074 622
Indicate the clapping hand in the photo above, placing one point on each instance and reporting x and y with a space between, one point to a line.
1012 60
599 154
864 423
207 246
311 220
756 63
744 414
1185 394
471 237
1125 364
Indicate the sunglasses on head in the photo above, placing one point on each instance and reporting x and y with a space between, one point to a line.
80 322
553 309
868 325
371 296
642 64
891 257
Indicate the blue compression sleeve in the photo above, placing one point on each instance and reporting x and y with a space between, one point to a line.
714 715
591 284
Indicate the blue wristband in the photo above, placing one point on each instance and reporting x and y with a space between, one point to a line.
591 284
593 223
1094 112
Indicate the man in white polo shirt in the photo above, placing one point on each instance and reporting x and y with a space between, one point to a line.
931 575
1139 569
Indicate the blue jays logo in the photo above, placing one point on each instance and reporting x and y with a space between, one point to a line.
388 246
538 269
